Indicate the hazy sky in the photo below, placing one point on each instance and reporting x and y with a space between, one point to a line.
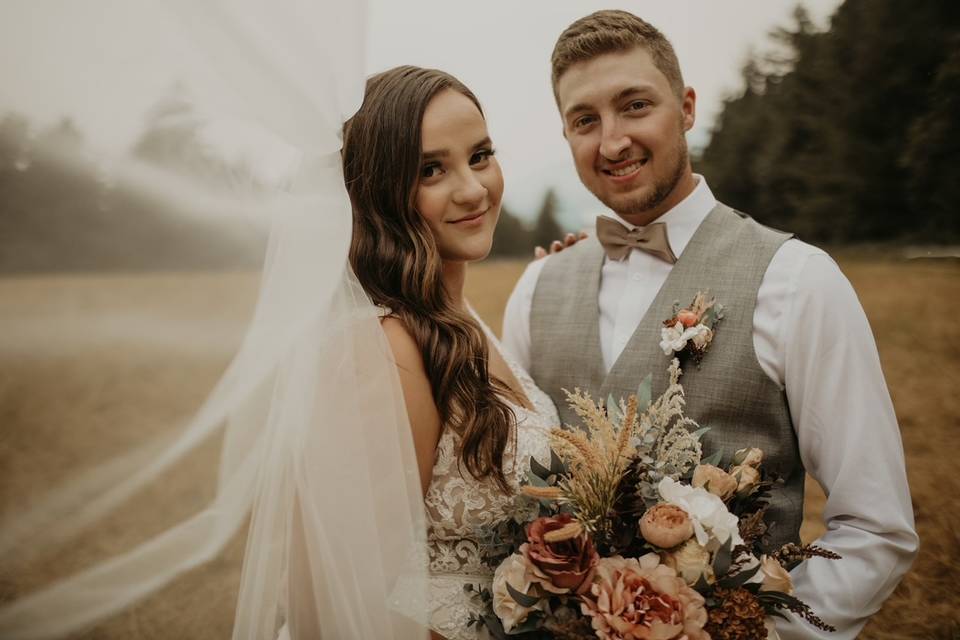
499 48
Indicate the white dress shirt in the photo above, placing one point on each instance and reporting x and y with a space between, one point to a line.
812 338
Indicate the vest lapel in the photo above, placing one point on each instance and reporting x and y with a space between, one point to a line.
636 350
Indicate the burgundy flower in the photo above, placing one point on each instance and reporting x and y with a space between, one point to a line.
560 553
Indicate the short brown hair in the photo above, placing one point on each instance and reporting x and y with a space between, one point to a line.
613 31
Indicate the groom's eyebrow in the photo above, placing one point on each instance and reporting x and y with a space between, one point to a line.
621 95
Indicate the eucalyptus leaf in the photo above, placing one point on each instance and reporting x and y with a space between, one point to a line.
699 432
740 579
644 393
613 409
538 469
723 558
714 458
556 464
523 599
536 480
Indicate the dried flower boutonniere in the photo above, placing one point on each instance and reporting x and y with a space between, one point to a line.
691 329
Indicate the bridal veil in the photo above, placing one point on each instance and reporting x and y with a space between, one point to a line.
316 460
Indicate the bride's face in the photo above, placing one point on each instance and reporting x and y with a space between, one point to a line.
461 185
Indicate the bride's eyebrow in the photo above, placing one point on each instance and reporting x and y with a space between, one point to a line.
443 153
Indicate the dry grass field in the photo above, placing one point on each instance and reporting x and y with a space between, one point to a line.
90 365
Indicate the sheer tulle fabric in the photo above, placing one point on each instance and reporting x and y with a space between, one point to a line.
316 444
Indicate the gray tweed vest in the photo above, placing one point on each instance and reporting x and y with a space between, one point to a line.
728 255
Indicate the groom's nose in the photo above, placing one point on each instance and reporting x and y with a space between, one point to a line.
613 141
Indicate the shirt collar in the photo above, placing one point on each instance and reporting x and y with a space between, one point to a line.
683 220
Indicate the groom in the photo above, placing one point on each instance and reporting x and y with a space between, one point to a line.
793 368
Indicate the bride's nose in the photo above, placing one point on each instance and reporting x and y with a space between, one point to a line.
470 192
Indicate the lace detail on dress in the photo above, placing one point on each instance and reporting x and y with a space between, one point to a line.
462 511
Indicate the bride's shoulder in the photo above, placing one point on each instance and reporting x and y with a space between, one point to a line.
402 344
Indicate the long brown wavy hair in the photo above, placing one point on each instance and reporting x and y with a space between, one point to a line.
395 257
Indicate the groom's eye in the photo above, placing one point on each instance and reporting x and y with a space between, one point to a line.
583 121
637 105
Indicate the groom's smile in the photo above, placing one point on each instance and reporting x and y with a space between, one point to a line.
625 125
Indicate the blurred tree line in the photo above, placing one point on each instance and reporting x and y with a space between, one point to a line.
60 210
515 239
850 134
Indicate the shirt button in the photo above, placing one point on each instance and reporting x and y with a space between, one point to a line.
637 277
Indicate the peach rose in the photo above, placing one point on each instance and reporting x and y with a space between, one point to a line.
688 318
747 478
690 561
564 566
665 525
641 599
715 480
751 456
775 577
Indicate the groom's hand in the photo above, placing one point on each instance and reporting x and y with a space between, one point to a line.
557 246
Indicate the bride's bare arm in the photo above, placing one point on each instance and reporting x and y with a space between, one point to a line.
417 395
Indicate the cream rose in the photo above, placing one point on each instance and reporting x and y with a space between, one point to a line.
713 524
665 526
715 480
747 478
516 571
690 561
751 457
703 337
775 577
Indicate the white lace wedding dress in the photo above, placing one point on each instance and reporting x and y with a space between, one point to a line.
461 511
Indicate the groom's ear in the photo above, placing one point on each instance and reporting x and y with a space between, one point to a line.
688 107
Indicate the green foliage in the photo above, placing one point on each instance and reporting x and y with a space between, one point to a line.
850 134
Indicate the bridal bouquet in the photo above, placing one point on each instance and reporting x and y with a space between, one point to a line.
638 536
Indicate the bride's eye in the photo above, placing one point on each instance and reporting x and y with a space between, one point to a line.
480 156
431 170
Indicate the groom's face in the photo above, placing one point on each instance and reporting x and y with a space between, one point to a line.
625 125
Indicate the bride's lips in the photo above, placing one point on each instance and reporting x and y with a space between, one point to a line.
624 171
470 220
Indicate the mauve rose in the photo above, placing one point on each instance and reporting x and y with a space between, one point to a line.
715 480
666 525
641 599
566 565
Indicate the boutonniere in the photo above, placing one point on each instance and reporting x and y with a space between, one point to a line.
691 329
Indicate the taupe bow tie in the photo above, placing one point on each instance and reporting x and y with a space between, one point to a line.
617 240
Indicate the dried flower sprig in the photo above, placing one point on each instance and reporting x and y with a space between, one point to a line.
597 456
791 553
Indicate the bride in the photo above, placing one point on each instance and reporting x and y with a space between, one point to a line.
369 414
426 191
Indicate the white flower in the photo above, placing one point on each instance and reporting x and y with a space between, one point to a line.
703 336
675 338
515 571
713 524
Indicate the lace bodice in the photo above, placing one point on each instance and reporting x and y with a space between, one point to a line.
462 511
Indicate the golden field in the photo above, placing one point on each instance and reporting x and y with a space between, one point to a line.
93 364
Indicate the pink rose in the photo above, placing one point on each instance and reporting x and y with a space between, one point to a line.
566 564
641 599
666 525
